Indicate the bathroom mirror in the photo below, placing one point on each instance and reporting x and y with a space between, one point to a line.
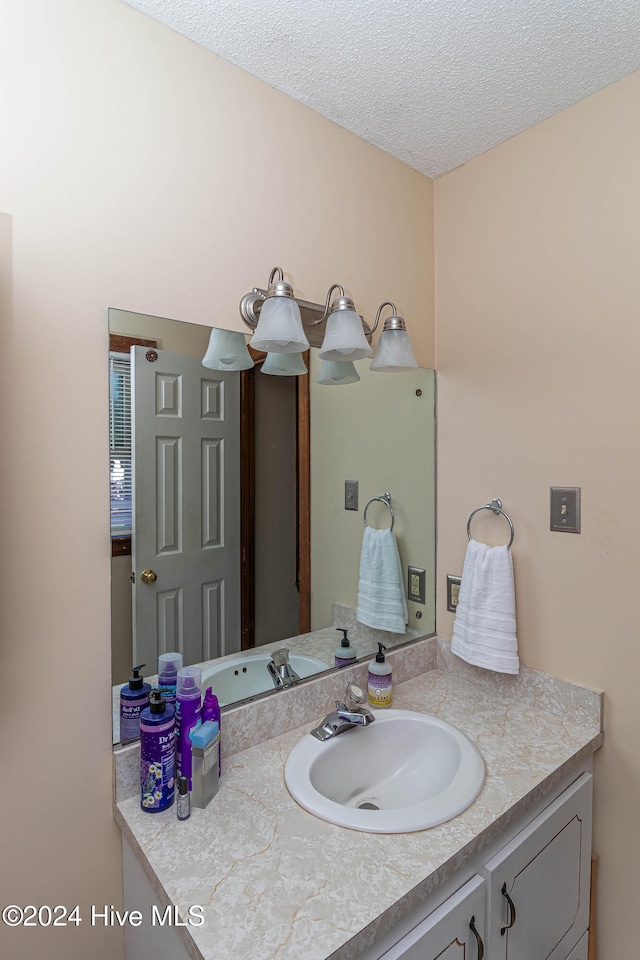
280 466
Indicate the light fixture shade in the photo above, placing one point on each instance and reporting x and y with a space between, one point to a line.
394 353
336 372
227 350
284 365
279 327
344 337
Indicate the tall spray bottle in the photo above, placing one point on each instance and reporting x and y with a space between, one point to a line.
188 716
168 666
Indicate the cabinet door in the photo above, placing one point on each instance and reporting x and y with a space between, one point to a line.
538 885
581 950
448 932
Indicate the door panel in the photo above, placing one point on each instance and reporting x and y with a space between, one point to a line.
186 507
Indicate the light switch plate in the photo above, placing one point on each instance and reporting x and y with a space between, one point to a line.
416 580
351 494
565 509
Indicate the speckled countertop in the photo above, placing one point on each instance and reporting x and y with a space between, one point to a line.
276 882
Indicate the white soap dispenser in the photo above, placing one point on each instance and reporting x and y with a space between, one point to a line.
379 680
345 654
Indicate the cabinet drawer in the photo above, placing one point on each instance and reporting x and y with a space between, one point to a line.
538 885
447 933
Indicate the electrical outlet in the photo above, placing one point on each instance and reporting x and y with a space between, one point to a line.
453 591
417 581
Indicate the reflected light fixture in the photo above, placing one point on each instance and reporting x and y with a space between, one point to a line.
227 350
337 372
344 337
393 353
284 365
279 327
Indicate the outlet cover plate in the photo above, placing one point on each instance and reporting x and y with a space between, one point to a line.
416 584
453 591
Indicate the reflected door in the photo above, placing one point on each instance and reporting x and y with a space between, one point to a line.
186 508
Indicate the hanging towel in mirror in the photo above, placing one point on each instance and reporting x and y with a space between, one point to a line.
484 632
381 599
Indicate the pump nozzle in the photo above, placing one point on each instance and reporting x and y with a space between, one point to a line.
380 654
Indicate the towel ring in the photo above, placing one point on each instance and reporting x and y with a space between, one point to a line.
496 507
386 499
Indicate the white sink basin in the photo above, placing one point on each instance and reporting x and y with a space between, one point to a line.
248 676
406 771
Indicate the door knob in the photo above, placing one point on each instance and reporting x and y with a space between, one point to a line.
148 576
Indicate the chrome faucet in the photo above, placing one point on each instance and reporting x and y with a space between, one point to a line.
344 717
280 670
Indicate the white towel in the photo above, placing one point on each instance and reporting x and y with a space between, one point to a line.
484 632
381 599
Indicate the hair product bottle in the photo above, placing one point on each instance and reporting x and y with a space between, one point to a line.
211 711
168 666
134 697
188 716
157 754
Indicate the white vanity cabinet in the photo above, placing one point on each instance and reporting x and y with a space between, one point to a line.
529 900
455 931
538 884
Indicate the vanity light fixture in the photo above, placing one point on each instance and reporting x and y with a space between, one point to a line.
336 328
394 353
279 328
337 372
227 350
284 365
344 337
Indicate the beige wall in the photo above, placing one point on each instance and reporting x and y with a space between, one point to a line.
538 346
140 172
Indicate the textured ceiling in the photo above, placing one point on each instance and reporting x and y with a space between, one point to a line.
433 82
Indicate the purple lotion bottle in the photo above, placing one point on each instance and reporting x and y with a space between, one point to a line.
211 711
157 754
188 716
134 697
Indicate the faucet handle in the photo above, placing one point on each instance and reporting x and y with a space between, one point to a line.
354 695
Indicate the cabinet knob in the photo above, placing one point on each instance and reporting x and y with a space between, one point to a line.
512 910
472 927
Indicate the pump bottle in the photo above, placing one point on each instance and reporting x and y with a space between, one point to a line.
379 680
134 697
157 754
345 654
